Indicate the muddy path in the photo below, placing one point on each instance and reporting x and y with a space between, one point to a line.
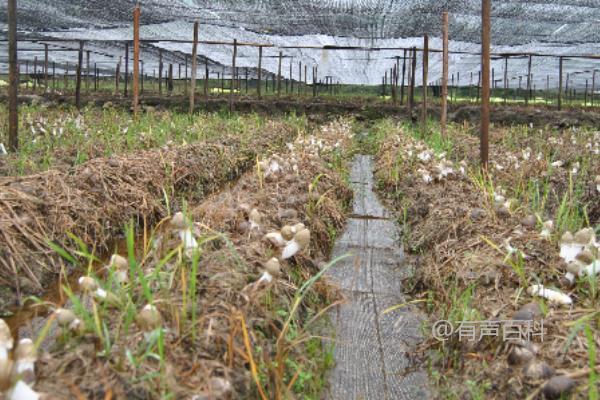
373 347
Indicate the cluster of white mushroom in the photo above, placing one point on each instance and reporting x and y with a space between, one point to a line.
17 367
580 252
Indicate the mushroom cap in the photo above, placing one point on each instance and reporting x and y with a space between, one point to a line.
25 351
88 284
584 236
6 338
520 355
528 312
529 221
298 227
64 316
287 232
537 370
149 318
273 267
558 386
119 262
303 238
548 225
255 216
585 257
567 237
178 221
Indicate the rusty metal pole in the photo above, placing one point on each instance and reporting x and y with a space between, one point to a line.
136 58
444 116
425 81
13 78
194 68
126 88
528 97
411 90
485 93
78 82
259 78
560 82
279 75
231 92
403 75
46 66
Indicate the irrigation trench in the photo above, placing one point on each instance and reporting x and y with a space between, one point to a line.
372 348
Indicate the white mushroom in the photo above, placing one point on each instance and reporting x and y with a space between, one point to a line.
300 241
22 391
24 363
553 296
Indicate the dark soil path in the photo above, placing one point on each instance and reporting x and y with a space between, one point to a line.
373 348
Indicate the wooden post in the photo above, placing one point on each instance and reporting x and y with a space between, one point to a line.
231 93
315 77
95 76
299 76
529 83
35 73
485 95
305 77
170 86
46 66
206 80
136 57
593 86
78 82
397 76
160 70
384 84
279 75
259 78
13 78
403 75
117 77
425 81
87 71
560 82
143 77
505 79
194 68
126 88
291 76
411 89
444 116
585 94
186 74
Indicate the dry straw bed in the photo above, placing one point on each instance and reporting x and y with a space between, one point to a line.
93 201
481 244
231 288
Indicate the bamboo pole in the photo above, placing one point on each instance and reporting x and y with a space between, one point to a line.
425 81
136 57
444 116
194 68
485 69
13 78
78 82
232 89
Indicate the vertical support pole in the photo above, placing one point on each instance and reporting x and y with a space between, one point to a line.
585 94
485 95
206 80
403 75
425 81
46 66
305 77
87 71
136 58
547 88
170 80
194 68
117 77
95 76
258 85
560 82
186 73
593 86
35 73
291 76
505 79
231 93
384 84
279 75
126 89
53 75
299 76
143 77
444 116
315 77
411 90
13 78
160 70
78 82
529 83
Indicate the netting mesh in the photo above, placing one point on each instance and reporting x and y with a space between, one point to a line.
555 27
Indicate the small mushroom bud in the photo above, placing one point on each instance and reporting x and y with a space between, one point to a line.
303 238
25 358
149 318
273 267
298 227
119 262
529 312
178 221
77 327
585 257
538 370
558 386
64 317
88 284
584 236
6 339
520 355
287 232
529 221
